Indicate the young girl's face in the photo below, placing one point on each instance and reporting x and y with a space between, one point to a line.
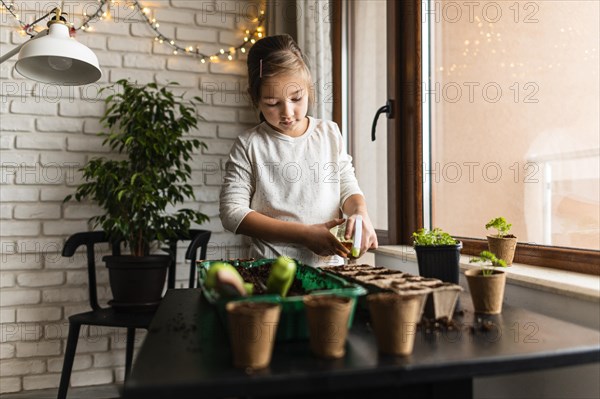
284 104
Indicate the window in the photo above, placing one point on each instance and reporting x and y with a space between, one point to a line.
367 82
513 100
374 66
495 114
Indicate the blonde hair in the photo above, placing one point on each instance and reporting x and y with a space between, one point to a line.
272 56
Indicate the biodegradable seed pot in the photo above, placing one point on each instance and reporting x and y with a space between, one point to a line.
502 244
487 291
327 317
442 301
394 319
252 329
486 285
503 247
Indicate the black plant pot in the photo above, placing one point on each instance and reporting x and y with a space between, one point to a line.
441 262
137 282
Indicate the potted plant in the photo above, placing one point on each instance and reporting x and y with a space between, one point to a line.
146 126
502 244
438 254
486 285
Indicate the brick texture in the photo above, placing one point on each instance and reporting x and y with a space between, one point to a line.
47 133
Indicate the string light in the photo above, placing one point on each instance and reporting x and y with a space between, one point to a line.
29 29
103 13
249 38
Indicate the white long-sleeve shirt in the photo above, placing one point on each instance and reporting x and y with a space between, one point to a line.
302 179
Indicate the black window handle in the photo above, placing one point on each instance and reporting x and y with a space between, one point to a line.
387 109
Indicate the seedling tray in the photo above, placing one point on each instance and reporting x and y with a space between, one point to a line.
292 322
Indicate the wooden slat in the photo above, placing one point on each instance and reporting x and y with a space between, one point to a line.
571 259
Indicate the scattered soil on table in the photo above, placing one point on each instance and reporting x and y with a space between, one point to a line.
258 276
482 326
186 331
440 325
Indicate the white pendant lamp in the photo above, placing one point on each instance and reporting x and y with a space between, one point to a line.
54 57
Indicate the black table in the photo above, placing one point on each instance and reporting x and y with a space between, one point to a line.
186 354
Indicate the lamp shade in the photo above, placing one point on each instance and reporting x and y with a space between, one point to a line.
57 58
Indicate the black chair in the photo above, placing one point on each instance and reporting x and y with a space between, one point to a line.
108 317
200 240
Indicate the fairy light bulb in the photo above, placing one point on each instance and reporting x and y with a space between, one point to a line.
146 10
243 50
229 57
203 61
174 52
252 41
222 51
172 42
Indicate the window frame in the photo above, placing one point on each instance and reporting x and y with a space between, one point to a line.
405 151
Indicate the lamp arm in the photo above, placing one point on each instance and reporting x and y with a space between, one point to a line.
18 48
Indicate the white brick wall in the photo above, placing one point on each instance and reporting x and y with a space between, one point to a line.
48 132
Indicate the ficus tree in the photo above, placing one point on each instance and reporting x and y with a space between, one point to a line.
147 125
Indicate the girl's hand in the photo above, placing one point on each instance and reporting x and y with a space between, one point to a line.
369 237
319 239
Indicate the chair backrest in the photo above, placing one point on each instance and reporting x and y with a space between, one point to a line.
200 240
89 239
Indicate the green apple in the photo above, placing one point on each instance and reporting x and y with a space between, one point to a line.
281 276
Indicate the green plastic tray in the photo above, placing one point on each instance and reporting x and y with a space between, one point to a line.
292 322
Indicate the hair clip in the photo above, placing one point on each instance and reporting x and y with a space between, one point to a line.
260 70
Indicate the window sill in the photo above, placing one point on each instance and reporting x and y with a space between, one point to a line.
577 285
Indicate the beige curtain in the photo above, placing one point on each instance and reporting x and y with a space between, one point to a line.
309 23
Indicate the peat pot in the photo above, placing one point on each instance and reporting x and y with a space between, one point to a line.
503 247
487 292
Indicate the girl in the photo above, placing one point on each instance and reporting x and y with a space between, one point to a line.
288 178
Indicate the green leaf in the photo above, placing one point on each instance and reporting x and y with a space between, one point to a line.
148 126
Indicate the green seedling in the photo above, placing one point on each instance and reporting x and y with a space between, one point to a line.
435 237
281 276
500 225
489 262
